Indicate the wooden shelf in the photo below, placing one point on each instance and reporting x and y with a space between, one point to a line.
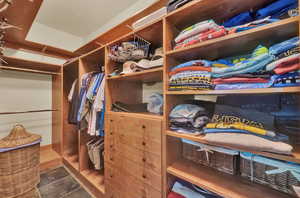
239 91
222 47
221 183
33 66
49 158
95 177
73 160
295 157
151 75
219 10
140 115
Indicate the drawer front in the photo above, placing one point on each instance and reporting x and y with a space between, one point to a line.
142 158
149 129
112 192
141 173
130 187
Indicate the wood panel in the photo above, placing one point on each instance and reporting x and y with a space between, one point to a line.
57 115
49 158
70 131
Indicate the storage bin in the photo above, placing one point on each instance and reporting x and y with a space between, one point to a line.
279 175
224 160
19 163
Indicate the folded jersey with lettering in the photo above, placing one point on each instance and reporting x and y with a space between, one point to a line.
228 114
196 29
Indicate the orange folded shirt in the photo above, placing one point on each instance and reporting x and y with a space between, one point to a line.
193 68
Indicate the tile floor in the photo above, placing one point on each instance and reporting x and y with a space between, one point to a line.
58 183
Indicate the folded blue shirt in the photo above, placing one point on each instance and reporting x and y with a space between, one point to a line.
284 46
239 19
274 8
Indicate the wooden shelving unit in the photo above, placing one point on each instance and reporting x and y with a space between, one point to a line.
128 89
238 43
74 141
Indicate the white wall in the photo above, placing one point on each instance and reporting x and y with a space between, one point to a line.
41 33
32 56
119 18
149 89
22 92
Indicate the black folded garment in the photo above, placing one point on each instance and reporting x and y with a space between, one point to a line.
263 103
122 107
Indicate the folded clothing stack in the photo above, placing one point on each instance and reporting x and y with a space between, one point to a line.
208 29
273 12
199 32
237 124
277 66
188 118
274 67
182 189
193 75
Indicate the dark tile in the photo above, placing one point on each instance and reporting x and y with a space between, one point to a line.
59 188
53 175
79 193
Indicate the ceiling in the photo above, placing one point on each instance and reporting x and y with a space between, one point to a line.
79 17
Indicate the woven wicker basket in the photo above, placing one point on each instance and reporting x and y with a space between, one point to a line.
34 193
19 163
256 172
217 160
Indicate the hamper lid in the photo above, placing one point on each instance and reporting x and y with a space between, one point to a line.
19 136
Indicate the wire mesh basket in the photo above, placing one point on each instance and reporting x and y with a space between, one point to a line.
131 50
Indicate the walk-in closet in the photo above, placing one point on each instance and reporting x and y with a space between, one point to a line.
149 99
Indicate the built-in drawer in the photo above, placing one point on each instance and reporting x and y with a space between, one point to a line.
143 158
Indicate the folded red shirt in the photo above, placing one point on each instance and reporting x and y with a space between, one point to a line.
192 68
239 80
285 69
210 34
175 195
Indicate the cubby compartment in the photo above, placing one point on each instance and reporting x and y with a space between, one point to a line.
219 11
223 184
91 62
153 34
276 111
70 131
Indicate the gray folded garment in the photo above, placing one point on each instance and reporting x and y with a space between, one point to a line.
248 141
95 152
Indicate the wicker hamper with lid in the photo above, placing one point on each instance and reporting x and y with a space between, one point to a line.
19 164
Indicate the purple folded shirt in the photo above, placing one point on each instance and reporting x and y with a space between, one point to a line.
2 150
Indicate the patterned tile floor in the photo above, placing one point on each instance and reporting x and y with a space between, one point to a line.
58 183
